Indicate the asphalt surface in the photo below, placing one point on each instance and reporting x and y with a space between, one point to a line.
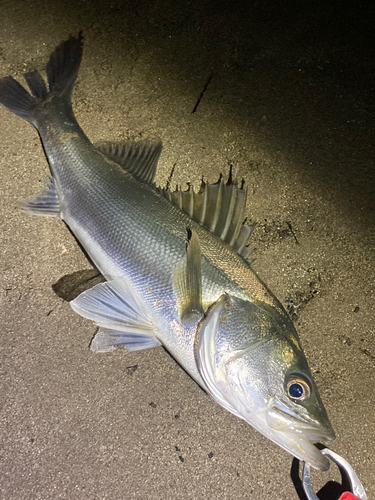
285 94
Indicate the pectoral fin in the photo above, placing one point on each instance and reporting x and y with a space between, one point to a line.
123 323
187 282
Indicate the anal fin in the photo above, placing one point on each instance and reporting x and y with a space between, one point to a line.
122 322
46 203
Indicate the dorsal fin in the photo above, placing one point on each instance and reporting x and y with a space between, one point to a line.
219 208
139 158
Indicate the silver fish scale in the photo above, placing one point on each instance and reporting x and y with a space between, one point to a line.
130 231
249 358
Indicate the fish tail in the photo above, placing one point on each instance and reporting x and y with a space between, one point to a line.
61 70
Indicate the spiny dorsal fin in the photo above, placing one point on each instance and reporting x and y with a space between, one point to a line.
219 208
139 158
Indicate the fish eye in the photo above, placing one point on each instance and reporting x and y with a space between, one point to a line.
298 389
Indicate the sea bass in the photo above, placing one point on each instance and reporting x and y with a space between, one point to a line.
176 265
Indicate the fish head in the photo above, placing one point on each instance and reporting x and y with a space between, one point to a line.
252 363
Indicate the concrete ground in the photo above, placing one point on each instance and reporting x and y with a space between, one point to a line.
289 104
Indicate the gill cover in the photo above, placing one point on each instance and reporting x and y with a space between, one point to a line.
224 337
250 359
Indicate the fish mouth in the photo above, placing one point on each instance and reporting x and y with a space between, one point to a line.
296 435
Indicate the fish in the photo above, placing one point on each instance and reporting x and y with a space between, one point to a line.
177 266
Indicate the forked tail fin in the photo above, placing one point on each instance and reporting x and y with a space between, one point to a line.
61 70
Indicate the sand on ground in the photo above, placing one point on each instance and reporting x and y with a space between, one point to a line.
289 105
